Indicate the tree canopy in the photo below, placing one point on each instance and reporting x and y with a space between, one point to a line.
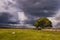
43 22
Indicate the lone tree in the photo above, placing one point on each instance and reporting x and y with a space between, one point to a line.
43 23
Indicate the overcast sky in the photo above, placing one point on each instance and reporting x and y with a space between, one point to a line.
28 10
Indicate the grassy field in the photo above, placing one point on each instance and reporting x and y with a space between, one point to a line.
28 34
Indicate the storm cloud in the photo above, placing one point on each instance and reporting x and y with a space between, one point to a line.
8 11
26 11
4 17
39 8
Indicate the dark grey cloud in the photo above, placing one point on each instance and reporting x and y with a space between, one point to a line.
32 9
38 7
31 21
5 18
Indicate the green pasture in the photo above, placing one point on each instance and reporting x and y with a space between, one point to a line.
28 34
